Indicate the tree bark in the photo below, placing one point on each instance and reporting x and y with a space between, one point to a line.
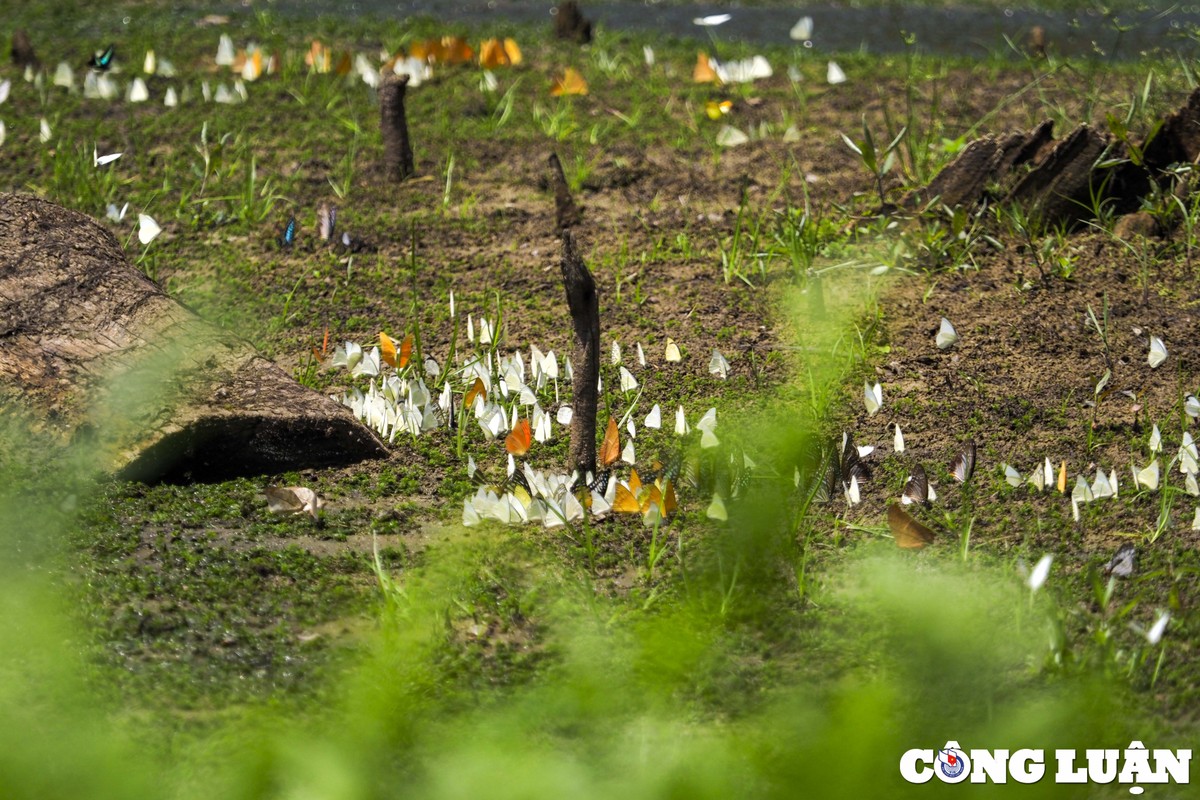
22 50
97 354
585 316
570 24
566 213
397 151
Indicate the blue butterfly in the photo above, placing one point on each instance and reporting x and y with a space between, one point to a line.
104 60
289 234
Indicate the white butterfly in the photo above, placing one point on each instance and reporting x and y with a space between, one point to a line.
853 496
834 74
730 136
628 382
1013 477
138 93
564 415
1041 571
1148 476
1158 352
44 133
648 54
616 353
898 440
100 161
627 454
681 425
148 229
1101 487
1191 406
641 355
5 86
712 20
170 99
873 397
1082 493
946 336
225 54
672 353
717 365
1155 439
716 509
1155 634
802 30
116 214
654 418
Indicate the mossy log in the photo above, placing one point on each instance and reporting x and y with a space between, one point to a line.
94 352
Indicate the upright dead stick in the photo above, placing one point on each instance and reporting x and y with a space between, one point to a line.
22 50
397 152
566 213
585 314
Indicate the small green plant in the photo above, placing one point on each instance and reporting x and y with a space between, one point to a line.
877 162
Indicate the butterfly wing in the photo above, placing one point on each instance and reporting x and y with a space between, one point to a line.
916 488
519 439
610 448
326 221
852 465
1122 562
963 465
907 531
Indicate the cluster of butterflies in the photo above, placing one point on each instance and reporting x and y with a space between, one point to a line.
506 395
327 217
843 471
1149 477
528 495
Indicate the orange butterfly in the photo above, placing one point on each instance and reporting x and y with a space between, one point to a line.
704 73
318 57
625 502
610 448
635 483
570 83
908 532
477 390
520 438
390 355
496 53
324 351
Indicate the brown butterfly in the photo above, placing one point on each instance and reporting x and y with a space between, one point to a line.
907 531
917 488
963 465
852 465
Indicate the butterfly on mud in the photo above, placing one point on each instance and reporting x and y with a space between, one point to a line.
288 237
102 61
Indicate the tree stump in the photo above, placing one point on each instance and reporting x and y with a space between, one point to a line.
397 151
23 55
571 25
95 353
585 316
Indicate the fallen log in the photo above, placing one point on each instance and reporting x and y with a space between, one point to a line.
95 353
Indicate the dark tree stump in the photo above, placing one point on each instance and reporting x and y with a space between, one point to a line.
22 50
571 25
1178 139
585 316
95 352
397 152
1061 187
566 213
963 181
